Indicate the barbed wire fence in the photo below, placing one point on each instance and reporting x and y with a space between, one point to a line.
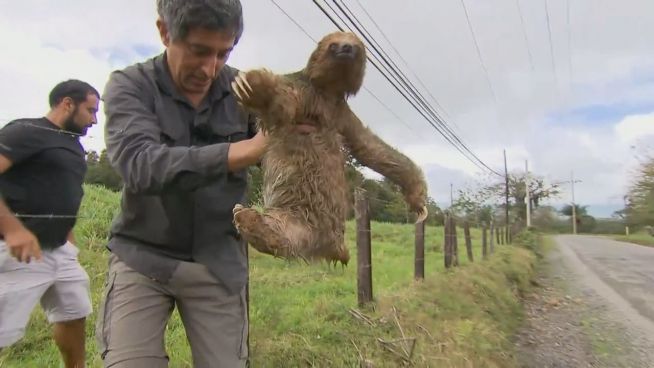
491 235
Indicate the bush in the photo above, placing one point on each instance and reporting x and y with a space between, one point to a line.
530 239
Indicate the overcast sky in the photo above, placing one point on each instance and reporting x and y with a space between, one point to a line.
587 107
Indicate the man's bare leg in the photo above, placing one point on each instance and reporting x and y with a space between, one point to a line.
70 339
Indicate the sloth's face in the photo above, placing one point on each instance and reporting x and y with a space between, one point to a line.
344 50
338 63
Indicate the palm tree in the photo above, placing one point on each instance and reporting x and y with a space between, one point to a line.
584 222
579 210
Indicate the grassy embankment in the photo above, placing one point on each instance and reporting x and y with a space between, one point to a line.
306 315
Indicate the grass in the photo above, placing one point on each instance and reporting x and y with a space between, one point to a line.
605 341
302 315
641 237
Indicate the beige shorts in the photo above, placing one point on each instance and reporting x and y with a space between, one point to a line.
134 312
58 281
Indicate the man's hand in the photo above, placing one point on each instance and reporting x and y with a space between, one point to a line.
247 152
259 143
22 244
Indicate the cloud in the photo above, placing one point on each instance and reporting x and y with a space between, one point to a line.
79 40
634 127
577 106
28 81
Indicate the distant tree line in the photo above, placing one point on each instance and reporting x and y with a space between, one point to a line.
486 201
480 205
100 172
385 199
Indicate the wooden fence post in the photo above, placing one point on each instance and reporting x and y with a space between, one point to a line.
466 234
364 256
484 243
455 244
447 241
492 238
419 263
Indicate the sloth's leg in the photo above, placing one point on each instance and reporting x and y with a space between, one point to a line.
275 232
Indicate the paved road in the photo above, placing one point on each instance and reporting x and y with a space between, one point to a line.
621 273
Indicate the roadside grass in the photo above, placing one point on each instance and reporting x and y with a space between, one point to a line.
306 315
641 237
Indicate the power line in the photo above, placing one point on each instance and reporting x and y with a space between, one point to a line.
391 111
402 79
444 130
524 33
364 87
293 20
549 32
401 58
371 93
567 20
481 60
390 68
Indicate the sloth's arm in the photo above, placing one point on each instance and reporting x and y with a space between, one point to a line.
369 150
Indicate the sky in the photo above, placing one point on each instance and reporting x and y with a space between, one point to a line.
580 104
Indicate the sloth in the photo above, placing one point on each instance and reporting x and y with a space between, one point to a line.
311 131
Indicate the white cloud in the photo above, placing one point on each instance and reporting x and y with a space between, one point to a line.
609 61
79 40
27 80
634 127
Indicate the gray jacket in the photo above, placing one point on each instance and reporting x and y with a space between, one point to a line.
178 195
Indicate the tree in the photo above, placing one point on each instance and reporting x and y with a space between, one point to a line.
92 158
585 222
100 172
639 210
436 217
579 210
385 200
538 192
486 201
546 218
475 207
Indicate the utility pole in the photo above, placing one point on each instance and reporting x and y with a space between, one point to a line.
574 209
573 206
527 197
506 191
451 194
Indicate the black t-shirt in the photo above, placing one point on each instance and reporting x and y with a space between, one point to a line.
46 176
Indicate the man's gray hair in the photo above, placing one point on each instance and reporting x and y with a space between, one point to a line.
182 15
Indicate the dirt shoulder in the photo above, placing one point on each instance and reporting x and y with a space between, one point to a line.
569 324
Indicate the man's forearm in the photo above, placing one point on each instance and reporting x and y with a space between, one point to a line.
8 222
245 153
71 237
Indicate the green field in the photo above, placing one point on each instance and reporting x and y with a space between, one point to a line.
304 315
642 238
